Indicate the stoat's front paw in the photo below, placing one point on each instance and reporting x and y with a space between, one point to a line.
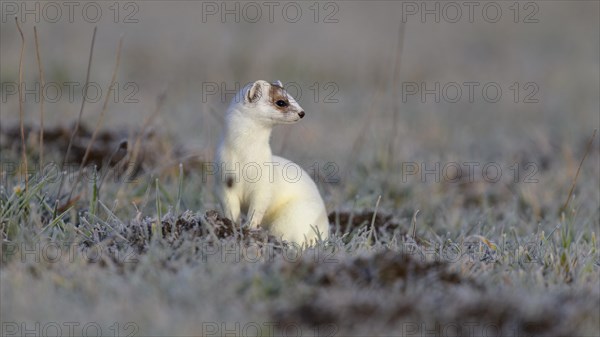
255 220
252 225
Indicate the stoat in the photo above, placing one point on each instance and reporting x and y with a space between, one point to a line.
273 192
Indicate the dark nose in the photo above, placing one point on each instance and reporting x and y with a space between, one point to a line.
301 114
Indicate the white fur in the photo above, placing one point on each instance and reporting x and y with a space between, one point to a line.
277 199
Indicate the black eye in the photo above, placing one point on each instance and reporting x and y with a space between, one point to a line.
281 103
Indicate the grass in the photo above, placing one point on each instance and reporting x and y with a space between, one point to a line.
160 269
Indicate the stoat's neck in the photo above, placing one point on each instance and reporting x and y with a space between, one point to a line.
246 135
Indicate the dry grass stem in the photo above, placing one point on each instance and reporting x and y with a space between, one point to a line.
587 151
21 102
42 99
78 122
101 118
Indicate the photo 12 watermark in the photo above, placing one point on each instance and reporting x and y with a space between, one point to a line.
469 171
470 11
253 172
53 172
36 12
454 329
470 92
69 329
53 252
272 328
253 252
270 11
70 92
317 92
477 249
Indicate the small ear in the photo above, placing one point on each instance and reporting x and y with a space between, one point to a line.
254 93
278 83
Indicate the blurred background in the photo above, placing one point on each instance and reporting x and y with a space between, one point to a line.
351 64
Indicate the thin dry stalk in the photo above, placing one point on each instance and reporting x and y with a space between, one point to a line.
395 86
83 100
218 117
42 83
102 113
23 148
105 104
122 146
414 224
587 150
136 146
373 219
360 140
